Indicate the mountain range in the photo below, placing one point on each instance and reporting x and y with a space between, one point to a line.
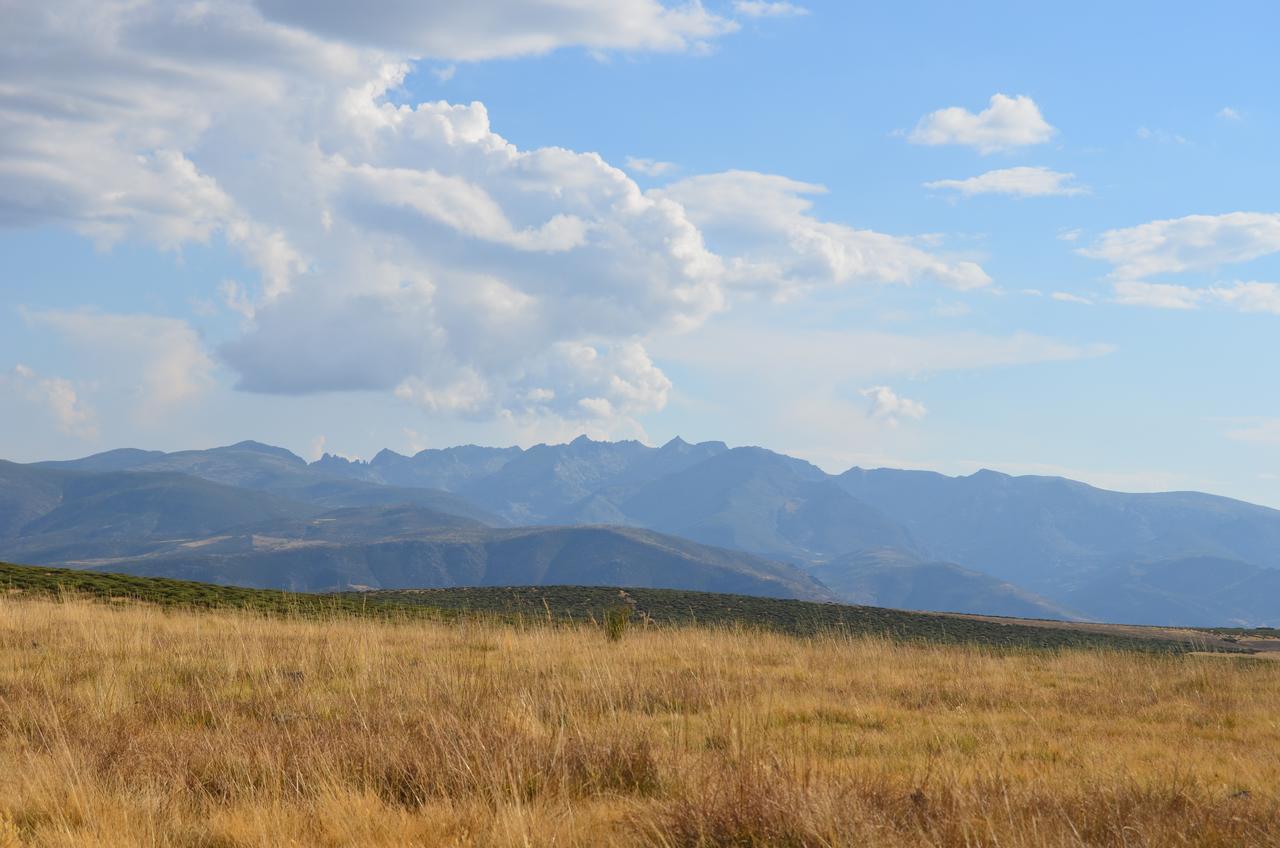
690 516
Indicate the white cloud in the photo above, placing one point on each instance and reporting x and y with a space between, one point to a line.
1249 296
1243 296
784 383
1006 123
1068 297
1020 181
771 353
1161 136
164 358
1258 432
235 298
890 407
406 249
1158 295
649 167
764 9
763 222
58 398
1228 114
491 29
1193 243
953 309
444 73
1070 234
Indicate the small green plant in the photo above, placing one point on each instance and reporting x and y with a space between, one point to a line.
615 622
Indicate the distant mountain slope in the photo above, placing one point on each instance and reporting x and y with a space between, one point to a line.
128 504
885 577
759 501
26 493
1056 541
1045 533
545 480
447 469
253 465
63 514
1197 591
473 557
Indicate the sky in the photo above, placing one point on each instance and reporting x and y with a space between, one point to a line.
922 235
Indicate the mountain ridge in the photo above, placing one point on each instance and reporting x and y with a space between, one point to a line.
1005 539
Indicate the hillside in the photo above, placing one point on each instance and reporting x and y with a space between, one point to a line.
264 468
893 578
579 605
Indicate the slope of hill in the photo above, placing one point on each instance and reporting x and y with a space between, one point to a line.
468 557
886 577
546 480
448 468
568 604
253 465
759 501
55 514
1199 591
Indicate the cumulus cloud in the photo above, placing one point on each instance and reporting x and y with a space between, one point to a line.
1192 243
401 248
1228 114
1242 296
890 407
1020 181
57 396
1006 123
764 9
764 222
164 356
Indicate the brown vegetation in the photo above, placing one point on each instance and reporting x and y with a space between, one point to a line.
125 724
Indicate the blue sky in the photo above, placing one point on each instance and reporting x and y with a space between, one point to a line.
919 235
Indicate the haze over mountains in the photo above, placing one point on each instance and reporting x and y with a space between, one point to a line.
695 516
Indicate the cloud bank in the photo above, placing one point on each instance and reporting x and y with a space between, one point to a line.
399 247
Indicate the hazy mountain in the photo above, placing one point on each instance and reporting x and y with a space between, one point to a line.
26 493
758 501
544 481
332 557
1047 533
253 465
985 542
885 577
447 469
1202 591
56 514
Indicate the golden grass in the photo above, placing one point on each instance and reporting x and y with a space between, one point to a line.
125 725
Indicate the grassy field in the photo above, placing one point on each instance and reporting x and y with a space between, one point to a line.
574 605
128 723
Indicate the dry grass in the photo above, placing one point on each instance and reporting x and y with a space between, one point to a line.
125 725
